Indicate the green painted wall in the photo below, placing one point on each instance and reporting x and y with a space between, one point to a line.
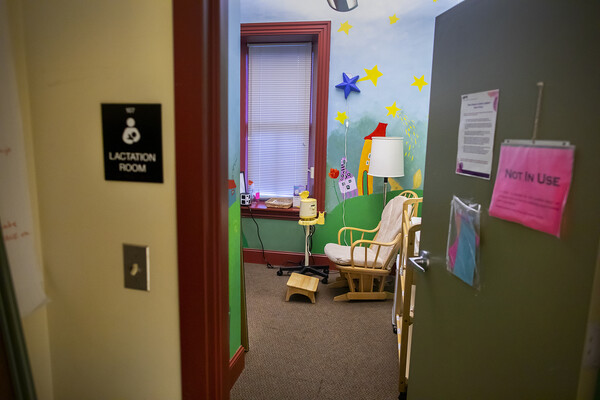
275 234
235 317
289 236
235 314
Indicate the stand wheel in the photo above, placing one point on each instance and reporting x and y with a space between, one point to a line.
279 273
324 280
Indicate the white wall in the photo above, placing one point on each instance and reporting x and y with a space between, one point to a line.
106 342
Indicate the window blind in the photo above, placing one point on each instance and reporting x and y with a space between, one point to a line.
279 88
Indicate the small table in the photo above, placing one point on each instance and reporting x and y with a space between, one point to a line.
302 284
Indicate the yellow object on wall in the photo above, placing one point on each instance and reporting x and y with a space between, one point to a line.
363 168
365 158
394 185
417 179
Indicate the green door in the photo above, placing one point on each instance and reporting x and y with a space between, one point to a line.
521 335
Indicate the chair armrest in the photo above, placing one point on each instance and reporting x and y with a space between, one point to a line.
351 229
374 243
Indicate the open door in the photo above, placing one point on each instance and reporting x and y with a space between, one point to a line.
521 335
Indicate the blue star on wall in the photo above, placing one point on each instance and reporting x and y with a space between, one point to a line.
348 85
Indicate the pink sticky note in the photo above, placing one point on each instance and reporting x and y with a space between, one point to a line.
532 184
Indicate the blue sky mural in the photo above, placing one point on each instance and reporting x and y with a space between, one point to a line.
389 44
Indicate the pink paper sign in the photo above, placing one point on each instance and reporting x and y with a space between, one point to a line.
531 186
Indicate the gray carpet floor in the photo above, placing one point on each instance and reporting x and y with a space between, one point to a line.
327 350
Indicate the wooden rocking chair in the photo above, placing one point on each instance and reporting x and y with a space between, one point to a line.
365 264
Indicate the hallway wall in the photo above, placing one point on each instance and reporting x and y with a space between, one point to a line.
35 324
106 342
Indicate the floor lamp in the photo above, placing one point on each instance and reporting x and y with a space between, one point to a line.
387 160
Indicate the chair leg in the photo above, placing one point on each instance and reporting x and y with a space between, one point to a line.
366 283
350 280
362 287
338 283
381 284
365 296
341 297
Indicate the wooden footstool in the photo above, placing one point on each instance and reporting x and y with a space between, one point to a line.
302 284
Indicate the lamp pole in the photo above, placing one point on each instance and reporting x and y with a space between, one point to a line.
385 184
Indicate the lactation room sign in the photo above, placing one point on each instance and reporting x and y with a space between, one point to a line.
532 185
132 136
476 133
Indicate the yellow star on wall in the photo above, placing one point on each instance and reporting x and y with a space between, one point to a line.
345 27
372 75
393 19
392 110
341 116
419 82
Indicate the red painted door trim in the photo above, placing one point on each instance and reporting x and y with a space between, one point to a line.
236 365
200 73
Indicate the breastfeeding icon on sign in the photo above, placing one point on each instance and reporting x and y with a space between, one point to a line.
131 134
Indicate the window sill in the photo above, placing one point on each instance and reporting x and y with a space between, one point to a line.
258 209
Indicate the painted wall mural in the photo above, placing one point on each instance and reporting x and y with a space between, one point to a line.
365 160
347 183
380 69
382 52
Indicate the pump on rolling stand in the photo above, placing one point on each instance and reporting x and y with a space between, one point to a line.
308 219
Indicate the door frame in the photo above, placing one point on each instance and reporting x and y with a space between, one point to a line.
15 369
200 77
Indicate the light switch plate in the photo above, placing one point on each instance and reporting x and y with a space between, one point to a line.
136 266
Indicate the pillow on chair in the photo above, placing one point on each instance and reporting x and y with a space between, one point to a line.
341 255
391 220
389 228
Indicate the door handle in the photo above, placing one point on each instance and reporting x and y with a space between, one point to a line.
422 262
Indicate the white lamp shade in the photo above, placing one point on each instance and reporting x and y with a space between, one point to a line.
387 157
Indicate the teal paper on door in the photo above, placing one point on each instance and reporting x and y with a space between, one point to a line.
462 252
466 249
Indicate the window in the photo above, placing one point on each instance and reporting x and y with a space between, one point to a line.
279 86
284 95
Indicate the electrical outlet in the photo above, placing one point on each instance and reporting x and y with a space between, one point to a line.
136 267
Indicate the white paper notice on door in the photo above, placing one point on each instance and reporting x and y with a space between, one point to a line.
476 133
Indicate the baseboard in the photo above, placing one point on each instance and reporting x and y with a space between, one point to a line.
283 258
236 366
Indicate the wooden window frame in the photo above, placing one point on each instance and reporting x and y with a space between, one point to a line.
319 33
